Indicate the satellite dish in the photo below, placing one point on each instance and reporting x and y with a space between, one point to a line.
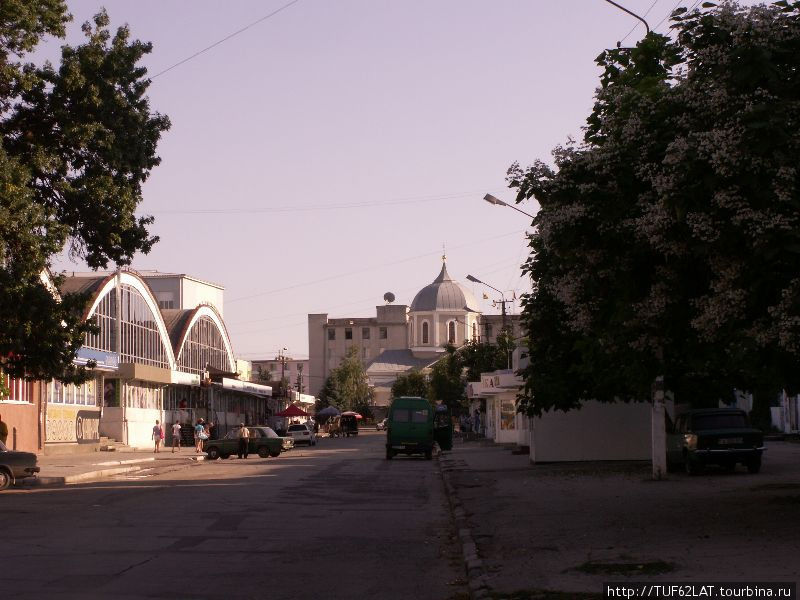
389 297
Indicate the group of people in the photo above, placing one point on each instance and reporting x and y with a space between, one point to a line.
470 423
202 432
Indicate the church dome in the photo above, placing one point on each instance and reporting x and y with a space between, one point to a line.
445 293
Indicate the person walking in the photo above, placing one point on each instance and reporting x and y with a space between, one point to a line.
3 430
477 422
176 436
244 441
199 436
158 435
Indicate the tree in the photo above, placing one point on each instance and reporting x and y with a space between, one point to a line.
78 142
668 242
413 383
482 357
447 381
328 395
352 386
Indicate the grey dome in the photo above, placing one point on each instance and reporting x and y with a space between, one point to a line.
444 294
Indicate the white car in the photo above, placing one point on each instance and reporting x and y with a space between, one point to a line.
301 434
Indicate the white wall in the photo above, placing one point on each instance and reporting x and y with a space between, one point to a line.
598 431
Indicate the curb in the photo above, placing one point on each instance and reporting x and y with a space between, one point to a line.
79 477
473 565
123 462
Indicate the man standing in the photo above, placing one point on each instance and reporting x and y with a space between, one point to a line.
477 421
176 436
244 441
3 430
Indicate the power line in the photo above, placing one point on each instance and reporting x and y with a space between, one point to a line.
225 39
669 14
637 24
357 271
276 209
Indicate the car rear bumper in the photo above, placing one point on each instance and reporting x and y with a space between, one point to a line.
726 454
410 447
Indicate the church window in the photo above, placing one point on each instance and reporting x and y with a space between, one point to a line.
425 332
451 332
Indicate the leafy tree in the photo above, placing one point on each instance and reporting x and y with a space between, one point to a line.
328 395
667 243
481 357
351 382
78 142
447 381
413 383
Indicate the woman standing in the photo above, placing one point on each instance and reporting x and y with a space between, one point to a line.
199 435
158 435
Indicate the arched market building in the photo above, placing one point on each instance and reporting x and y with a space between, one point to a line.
151 364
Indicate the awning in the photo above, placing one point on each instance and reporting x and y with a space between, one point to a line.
246 386
142 373
292 411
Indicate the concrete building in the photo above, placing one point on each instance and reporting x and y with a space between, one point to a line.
400 337
178 291
270 370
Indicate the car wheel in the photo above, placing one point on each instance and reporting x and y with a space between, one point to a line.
754 465
274 453
5 479
213 453
225 456
263 452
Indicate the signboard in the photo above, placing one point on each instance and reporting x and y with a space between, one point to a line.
104 360
246 386
181 378
73 424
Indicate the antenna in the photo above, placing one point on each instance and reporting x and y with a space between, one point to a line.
389 297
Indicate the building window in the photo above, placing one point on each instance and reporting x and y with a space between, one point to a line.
348 333
365 333
383 333
451 332
19 389
488 331
331 334
166 304
474 332
425 332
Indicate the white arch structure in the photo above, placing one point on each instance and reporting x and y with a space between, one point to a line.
205 310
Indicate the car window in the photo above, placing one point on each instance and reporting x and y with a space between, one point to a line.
233 434
719 421
400 415
297 427
268 432
255 433
419 416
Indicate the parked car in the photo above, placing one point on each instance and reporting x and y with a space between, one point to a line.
263 441
301 434
15 466
381 425
719 436
410 429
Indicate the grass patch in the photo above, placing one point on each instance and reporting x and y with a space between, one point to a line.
656 567
545 595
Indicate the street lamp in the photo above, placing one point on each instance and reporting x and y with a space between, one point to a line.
494 200
502 296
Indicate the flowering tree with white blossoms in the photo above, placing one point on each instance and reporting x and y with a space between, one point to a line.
668 241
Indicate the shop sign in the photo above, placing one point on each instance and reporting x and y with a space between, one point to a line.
246 386
181 378
104 360
73 424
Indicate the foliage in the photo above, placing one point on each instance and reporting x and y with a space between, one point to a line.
668 242
350 382
447 381
482 357
78 142
413 383
328 395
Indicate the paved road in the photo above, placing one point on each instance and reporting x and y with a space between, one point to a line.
333 521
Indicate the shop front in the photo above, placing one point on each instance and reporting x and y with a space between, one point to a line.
133 399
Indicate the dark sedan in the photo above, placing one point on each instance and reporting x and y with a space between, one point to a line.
263 441
718 436
15 466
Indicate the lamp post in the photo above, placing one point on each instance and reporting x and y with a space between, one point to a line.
497 202
502 304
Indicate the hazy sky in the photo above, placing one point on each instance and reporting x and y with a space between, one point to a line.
342 142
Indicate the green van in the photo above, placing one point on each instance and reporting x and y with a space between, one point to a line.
409 429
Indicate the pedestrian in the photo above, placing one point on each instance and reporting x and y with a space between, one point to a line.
477 421
199 435
3 430
176 436
244 441
158 435
212 431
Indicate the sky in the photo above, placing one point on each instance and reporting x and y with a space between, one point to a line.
327 155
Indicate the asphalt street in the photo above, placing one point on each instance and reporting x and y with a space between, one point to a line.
332 521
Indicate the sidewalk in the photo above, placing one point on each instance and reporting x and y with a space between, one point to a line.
562 530
75 468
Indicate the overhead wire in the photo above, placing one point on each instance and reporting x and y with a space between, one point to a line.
638 24
225 39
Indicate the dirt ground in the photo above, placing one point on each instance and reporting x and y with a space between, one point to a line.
571 527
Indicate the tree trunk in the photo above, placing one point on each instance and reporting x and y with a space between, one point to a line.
658 431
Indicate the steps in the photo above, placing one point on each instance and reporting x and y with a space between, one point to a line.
111 445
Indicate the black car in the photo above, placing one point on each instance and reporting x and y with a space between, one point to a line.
718 436
15 466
